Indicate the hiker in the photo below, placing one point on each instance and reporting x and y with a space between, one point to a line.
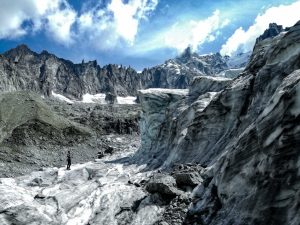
100 154
69 160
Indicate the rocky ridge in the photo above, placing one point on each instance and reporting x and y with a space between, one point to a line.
45 73
23 69
271 32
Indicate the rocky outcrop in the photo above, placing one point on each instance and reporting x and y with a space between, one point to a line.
271 32
23 109
246 135
162 184
187 176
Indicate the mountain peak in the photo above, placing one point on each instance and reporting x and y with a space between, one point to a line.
187 53
18 51
273 30
23 47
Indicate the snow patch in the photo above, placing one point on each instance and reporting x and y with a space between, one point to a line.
128 100
165 91
97 98
61 97
212 78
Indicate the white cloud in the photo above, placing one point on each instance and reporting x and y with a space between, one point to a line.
191 33
14 15
18 18
243 40
115 24
59 25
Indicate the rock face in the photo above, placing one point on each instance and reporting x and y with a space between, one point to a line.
246 135
44 73
23 69
178 73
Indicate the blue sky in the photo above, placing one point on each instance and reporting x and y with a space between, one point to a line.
140 33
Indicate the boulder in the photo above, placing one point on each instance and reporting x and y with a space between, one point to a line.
162 184
188 178
111 98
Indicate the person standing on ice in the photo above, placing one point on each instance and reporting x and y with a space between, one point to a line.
69 160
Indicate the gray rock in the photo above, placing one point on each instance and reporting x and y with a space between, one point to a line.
111 98
188 178
162 184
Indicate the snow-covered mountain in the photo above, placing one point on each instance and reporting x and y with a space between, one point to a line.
180 71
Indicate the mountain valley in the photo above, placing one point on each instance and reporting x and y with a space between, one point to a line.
197 140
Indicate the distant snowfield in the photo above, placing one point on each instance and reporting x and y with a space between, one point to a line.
97 98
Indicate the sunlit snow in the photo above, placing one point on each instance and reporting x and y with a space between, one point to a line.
61 97
97 98
130 100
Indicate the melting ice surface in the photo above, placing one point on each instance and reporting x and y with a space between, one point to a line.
91 193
